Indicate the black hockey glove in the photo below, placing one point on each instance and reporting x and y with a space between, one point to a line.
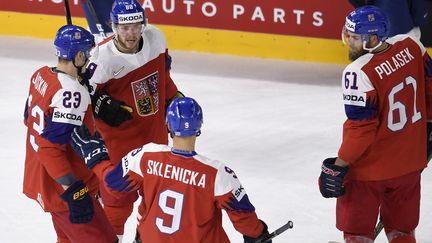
79 201
264 234
90 148
429 141
137 237
332 178
113 112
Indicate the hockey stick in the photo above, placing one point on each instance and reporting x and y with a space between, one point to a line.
277 232
378 228
67 10
96 19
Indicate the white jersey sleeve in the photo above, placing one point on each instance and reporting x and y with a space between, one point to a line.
71 102
67 109
357 88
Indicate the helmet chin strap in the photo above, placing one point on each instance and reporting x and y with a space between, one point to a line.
373 48
365 39
79 68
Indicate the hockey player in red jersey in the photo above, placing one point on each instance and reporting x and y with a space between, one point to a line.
130 73
387 92
183 192
54 175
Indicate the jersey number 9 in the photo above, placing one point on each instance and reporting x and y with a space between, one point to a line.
175 210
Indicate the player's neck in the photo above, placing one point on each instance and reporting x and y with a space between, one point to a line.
67 68
384 46
184 143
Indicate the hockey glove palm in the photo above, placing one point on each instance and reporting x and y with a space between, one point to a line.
261 237
332 178
90 148
79 201
113 112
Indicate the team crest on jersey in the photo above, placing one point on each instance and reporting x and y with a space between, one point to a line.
146 94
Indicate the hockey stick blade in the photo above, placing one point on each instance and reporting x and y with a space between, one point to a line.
277 232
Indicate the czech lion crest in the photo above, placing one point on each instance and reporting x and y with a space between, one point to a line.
146 94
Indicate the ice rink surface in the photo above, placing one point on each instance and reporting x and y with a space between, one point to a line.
271 121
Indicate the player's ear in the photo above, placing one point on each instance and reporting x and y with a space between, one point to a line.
80 57
77 57
82 54
374 40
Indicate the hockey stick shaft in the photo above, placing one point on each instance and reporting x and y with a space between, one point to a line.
68 13
378 228
277 232
96 19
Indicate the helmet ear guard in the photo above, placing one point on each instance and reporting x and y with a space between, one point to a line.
184 117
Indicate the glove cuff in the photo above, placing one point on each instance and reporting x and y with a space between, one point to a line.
329 167
330 161
98 101
264 233
74 192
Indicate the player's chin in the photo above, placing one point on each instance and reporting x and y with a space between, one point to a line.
131 43
354 54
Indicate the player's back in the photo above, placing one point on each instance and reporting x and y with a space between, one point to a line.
395 80
56 103
179 202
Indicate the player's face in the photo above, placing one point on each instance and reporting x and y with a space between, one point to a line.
129 35
355 43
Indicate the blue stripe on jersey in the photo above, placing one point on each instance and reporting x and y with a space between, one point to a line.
183 153
244 205
358 113
58 133
26 112
428 67
168 61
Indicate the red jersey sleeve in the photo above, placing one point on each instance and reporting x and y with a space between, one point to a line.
232 197
53 158
360 100
171 88
428 80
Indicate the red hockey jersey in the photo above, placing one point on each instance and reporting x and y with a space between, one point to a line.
141 80
182 196
56 104
387 99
